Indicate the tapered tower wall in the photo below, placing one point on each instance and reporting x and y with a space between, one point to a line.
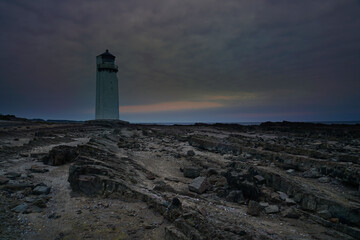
107 96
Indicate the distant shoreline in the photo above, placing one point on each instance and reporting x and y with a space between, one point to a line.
6 118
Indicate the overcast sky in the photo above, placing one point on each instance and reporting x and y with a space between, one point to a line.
183 60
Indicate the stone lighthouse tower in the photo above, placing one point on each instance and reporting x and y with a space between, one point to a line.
107 96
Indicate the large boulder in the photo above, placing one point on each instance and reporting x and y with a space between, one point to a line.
60 155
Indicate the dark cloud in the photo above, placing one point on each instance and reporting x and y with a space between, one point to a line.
280 59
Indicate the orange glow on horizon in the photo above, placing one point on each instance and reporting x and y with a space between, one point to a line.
169 106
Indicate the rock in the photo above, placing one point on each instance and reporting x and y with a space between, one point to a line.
283 196
162 187
60 155
211 171
12 175
191 172
40 189
311 173
290 213
40 202
272 209
235 196
17 186
290 201
38 169
290 171
3 180
253 208
308 203
324 179
54 216
199 185
35 209
275 197
175 203
235 178
190 153
325 214
250 190
217 180
22 208
263 205
259 179
171 233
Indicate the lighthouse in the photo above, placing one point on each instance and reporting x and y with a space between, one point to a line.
107 96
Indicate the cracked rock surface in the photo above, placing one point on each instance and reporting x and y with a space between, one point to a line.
113 180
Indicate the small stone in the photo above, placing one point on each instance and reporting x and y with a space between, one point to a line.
190 153
150 176
283 196
12 175
199 185
191 172
290 171
41 190
290 201
290 213
259 179
263 204
54 216
40 202
16 186
325 214
253 208
324 180
22 208
235 196
272 209
38 169
311 173
211 171
175 203
3 180
275 198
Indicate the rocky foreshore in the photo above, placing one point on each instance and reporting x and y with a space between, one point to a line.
115 180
